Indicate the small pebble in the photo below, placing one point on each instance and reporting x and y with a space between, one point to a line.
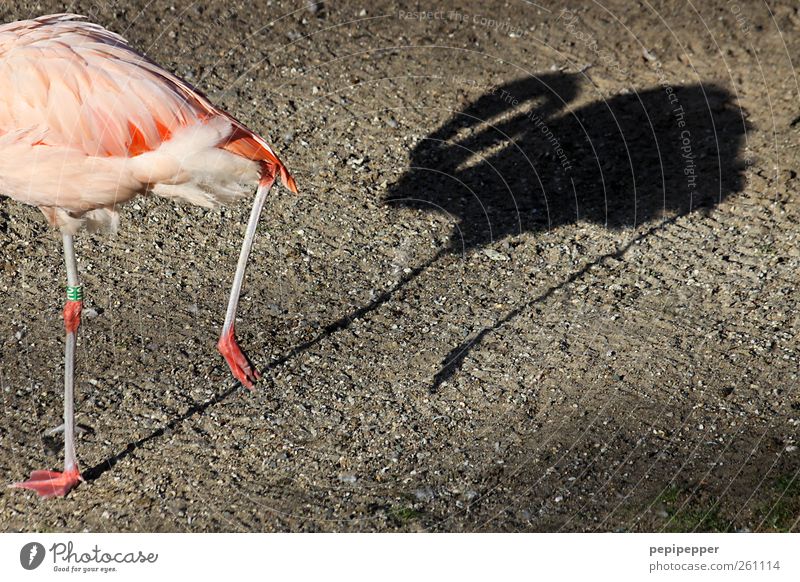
89 313
347 478
494 255
424 494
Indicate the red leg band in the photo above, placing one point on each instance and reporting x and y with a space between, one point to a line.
72 315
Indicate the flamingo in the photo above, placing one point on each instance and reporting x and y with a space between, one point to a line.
87 124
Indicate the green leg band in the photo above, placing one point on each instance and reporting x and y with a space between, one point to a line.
75 293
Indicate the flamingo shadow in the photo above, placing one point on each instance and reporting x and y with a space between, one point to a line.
521 159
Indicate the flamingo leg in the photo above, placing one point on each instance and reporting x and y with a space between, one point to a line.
240 365
53 483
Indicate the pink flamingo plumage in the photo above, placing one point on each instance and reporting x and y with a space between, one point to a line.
86 124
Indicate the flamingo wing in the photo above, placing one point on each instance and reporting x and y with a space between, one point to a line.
83 87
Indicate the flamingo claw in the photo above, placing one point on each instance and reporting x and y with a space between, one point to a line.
51 483
238 362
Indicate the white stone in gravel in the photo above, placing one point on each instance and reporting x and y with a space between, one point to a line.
494 255
347 478
89 313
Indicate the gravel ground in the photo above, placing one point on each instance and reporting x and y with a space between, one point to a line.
541 277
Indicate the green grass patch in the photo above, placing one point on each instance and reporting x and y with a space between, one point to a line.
783 511
691 516
403 514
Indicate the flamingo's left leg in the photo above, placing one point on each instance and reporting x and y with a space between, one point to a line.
239 363
53 483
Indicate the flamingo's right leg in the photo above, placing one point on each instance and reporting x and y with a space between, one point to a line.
53 483
239 363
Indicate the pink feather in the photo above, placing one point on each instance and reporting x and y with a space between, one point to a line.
87 123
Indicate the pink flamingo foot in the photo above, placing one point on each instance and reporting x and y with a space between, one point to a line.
51 483
239 364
